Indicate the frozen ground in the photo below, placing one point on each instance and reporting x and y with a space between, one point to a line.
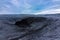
9 31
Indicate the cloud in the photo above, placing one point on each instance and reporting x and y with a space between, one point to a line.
55 0
15 2
39 5
28 6
50 11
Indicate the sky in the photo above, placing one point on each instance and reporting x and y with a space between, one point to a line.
29 6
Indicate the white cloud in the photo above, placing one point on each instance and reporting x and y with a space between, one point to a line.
55 0
6 10
7 6
15 2
26 5
50 11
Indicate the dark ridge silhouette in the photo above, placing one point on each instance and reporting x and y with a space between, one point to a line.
27 21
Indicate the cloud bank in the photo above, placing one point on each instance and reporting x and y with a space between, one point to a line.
29 6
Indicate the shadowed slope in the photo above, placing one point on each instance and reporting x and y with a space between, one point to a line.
39 22
27 21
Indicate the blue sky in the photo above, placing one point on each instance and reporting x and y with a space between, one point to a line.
29 6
